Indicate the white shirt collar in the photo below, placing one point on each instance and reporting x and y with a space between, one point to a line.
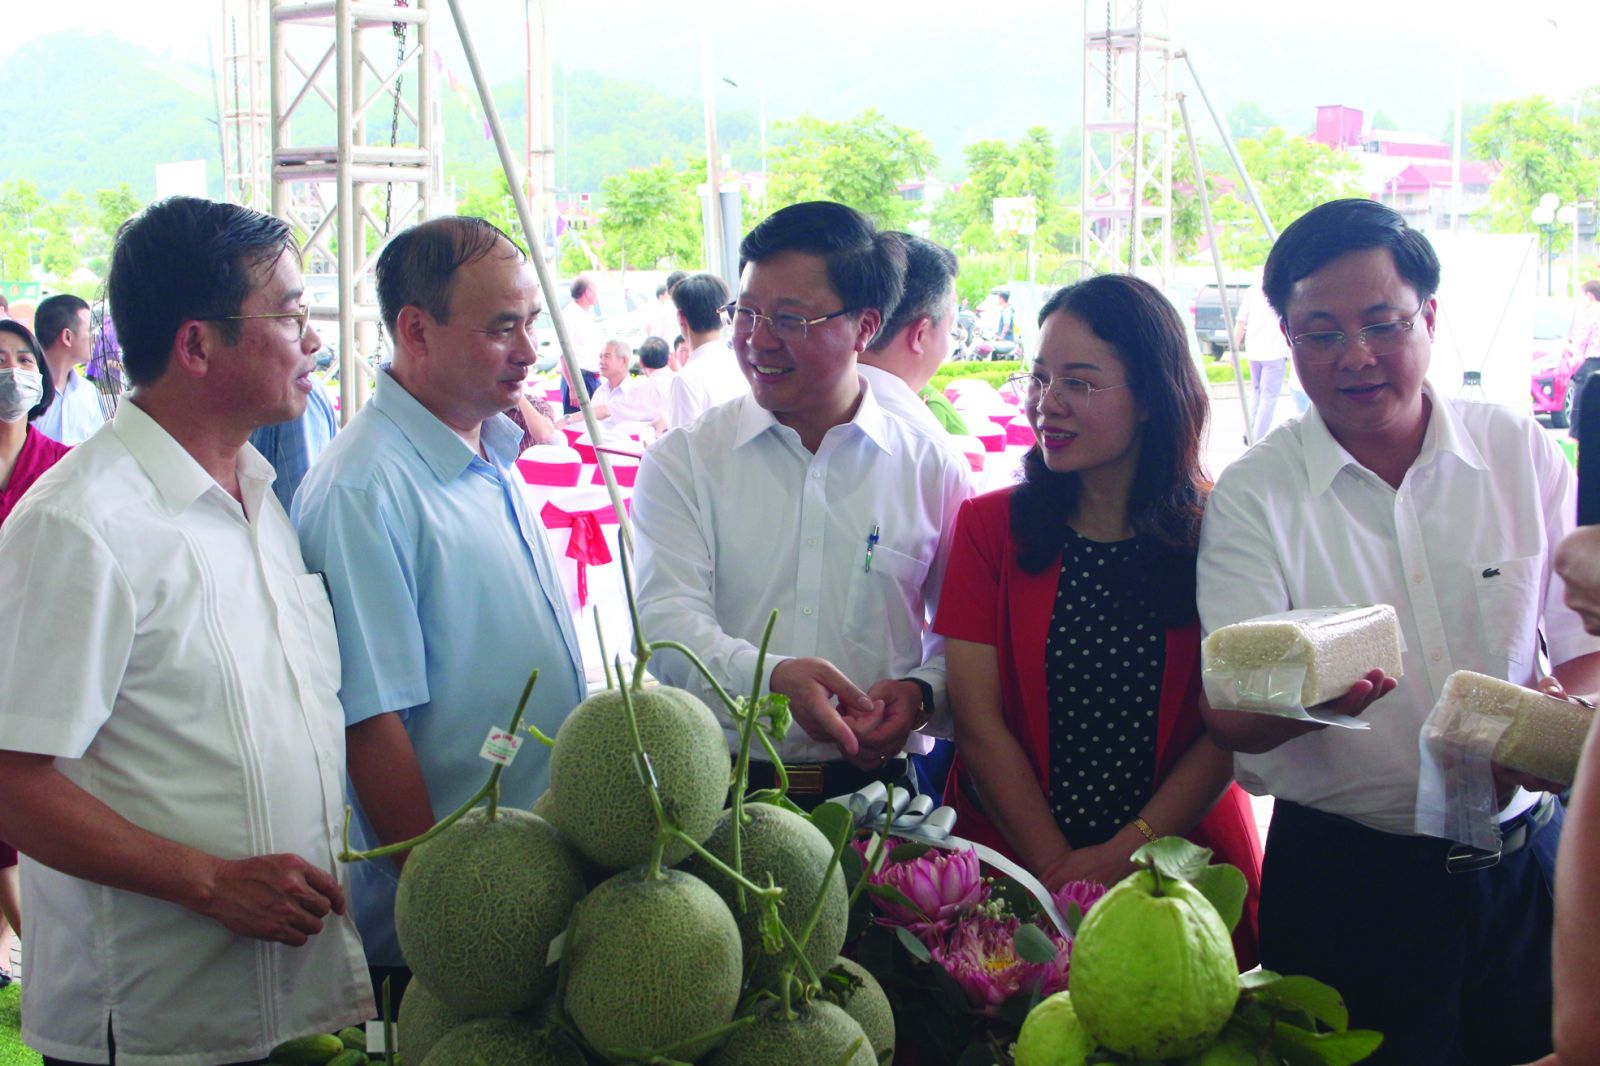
176 474
870 418
1325 456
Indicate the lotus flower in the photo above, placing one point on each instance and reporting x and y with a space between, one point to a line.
981 955
941 885
1083 893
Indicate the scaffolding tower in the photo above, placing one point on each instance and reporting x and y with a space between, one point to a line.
244 117
344 182
1128 139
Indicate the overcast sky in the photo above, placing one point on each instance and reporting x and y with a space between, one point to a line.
1397 55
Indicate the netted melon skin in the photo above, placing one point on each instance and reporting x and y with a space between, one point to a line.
652 962
477 908
423 1020
819 1035
600 802
501 1042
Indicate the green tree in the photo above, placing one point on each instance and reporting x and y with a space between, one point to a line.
19 202
1246 119
651 213
1539 151
114 207
860 161
1302 175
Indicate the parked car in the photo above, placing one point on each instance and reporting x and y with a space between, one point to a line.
1210 328
1557 373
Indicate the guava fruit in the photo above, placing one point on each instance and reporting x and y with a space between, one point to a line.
1052 1035
1153 969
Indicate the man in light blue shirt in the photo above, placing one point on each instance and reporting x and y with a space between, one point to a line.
291 447
445 592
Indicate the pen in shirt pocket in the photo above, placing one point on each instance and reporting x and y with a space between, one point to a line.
872 542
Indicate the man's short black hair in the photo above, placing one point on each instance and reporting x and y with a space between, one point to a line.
931 271
653 353
1004 294
675 277
865 267
1337 227
661 290
48 382
56 315
580 285
699 299
418 267
181 259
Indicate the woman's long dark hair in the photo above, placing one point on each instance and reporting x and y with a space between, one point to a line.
1170 482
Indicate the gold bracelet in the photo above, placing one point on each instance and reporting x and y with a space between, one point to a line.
1144 827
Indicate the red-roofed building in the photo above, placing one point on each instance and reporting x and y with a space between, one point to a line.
1421 191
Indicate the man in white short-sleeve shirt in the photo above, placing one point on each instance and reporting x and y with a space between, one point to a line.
1449 510
171 741
711 375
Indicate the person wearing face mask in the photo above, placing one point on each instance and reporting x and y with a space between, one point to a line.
26 391
25 453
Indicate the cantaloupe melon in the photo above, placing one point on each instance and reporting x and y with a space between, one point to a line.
500 1042
870 1008
477 908
819 1035
423 1020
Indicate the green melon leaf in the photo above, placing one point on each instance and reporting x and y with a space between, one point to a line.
1033 945
834 822
1224 886
1300 1048
1073 916
915 947
1174 857
890 894
1258 979
1299 992
906 852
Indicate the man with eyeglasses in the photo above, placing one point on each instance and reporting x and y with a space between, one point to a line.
711 374
445 588
1388 491
806 497
171 743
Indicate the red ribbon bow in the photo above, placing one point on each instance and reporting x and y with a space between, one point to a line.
587 546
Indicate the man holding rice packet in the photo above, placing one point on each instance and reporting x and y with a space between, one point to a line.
1410 534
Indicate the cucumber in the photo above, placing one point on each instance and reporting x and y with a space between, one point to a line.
307 1050
354 1037
349 1057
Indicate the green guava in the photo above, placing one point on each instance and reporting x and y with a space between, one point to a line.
1153 969
1052 1035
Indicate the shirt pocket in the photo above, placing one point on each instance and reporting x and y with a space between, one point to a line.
318 629
885 598
1509 598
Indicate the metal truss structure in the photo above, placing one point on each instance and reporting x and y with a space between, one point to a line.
345 75
1128 139
240 85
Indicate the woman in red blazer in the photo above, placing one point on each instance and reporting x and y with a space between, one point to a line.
1072 638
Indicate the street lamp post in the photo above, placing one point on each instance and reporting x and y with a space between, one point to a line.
1544 216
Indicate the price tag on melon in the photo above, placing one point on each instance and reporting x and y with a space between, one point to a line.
500 748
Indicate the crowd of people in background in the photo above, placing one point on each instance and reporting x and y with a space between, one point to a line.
229 614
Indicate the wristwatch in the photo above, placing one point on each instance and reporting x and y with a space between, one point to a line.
924 712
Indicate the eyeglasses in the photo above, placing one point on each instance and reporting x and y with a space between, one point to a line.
1380 338
1031 389
790 327
301 316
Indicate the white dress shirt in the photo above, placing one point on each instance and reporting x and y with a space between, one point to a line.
587 338
735 518
1461 551
75 413
638 399
897 398
710 376
180 664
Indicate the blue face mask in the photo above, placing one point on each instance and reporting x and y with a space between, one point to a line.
20 391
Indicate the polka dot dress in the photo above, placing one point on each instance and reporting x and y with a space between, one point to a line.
1103 663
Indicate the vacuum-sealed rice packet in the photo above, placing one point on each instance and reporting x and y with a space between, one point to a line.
1283 664
1481 720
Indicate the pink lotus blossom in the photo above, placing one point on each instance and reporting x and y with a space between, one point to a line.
981 955
942 886
1083 893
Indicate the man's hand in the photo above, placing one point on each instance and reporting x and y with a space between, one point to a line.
272 897
883 739
1254 733
813 686
1577 560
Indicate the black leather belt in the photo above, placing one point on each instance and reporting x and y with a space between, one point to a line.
1514 836
826 778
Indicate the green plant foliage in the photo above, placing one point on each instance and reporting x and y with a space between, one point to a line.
860 161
